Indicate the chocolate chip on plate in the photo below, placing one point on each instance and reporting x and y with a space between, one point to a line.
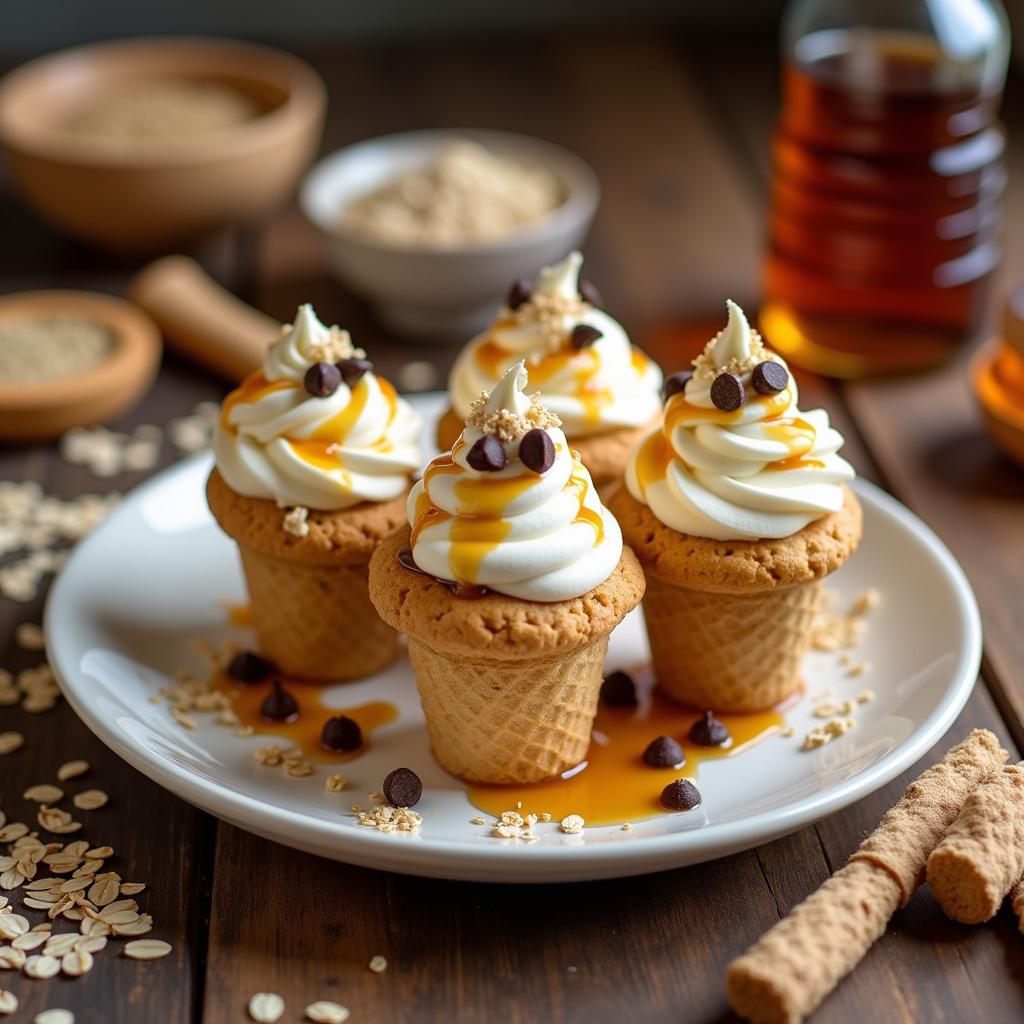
708 731
519 293
584 335
769 377
341 733
353 369
681 795
675 383
537 450
402 788
279 705
249 667
487 455
727 392
322 380
618 690
589 293
664 752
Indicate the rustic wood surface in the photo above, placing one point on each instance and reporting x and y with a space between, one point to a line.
678 132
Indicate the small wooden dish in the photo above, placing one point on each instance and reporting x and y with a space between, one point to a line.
154 200
32 412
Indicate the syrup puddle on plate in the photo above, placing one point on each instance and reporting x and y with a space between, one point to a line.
304 732
614 785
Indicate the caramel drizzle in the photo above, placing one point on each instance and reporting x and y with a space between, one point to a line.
480 527
493 359
320 449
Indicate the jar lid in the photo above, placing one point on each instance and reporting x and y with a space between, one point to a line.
1013 322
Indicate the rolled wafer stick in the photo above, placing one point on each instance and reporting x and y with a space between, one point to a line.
1017 902
982 855
792 967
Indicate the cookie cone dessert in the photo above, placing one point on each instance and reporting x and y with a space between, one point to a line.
314 459
603 389
507 586
738 508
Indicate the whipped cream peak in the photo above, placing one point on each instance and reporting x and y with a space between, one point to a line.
507 413
561 279
304 342
762 470
275 440
737 348
532 528
593 378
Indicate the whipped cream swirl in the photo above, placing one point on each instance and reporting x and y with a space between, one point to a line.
606 385
536 536
275 440
764 470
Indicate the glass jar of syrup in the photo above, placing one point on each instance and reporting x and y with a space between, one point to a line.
888 182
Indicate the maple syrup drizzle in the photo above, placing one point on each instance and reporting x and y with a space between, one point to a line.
613 785
304 731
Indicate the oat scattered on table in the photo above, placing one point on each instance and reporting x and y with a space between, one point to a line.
90 800
8 1001
147 949
325 1012
29 636
72 770
266 1008
54 1016
378 964
10 742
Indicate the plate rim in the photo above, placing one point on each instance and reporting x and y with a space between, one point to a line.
452 859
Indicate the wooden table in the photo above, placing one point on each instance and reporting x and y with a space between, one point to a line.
678 131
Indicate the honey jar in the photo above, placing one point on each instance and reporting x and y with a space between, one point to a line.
998 379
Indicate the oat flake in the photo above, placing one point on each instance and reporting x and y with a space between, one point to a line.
266 1008
8 1001
55 1016
147 949
325 1012
71 770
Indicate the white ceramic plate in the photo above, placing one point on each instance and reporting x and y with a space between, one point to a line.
155 575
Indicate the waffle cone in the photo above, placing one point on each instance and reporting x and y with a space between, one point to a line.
509 721
730 652
316 621
309 594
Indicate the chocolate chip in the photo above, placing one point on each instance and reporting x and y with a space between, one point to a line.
519 293
279 705
708 731
727 392
589 293
619 690
664 752
769 377
675 383
249 667
322 380
402 788
681 795
487 455
352 369
537 450
583 336
341 733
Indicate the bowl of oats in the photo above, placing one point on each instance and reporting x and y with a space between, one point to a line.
145 145
432 226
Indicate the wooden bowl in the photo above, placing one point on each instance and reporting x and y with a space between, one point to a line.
31 412
152 199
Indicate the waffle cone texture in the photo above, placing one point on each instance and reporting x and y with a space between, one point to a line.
981 857
310 601
509 687
730 621
785 975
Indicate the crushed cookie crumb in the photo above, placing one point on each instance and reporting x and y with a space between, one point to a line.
389 819
506 425
295 521
829 731
705 370
335 783
572 824
865 696
626 827
553 315
478 820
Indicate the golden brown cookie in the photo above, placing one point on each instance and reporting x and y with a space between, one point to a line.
496 626
343 537
738 566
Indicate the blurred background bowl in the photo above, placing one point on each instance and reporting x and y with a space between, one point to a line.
451 291
152 199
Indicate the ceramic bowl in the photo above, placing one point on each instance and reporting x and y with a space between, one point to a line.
449 292
154 199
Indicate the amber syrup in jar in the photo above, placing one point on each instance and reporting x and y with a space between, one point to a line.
886 205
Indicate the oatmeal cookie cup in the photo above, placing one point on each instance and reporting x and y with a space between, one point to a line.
729 622
310 607
509 687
